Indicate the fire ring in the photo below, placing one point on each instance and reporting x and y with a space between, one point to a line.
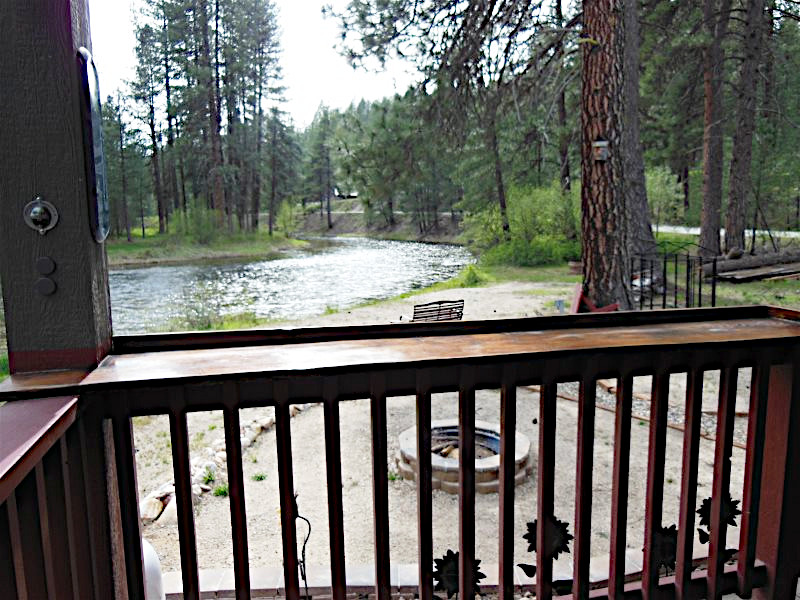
444 456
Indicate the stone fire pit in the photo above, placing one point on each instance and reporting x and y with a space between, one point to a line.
444 456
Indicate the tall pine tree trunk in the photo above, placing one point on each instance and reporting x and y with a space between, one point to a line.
494 149
604 223
124 208
715 18
216 197
642 241
740 180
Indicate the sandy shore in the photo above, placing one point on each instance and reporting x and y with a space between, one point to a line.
503 300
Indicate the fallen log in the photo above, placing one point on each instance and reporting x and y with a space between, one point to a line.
752 262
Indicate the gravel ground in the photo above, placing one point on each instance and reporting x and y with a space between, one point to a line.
261 485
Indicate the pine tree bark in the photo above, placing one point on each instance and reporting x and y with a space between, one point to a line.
216 196
642 241
604 222
564 140
124 208
716 16
741 160
494 148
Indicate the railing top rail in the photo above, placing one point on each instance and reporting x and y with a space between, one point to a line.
426 345
27 431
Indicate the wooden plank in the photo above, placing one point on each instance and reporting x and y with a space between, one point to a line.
27 431
77 513
182 366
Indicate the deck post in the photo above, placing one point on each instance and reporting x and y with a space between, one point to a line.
55 285
779 519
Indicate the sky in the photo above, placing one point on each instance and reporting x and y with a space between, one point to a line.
313 72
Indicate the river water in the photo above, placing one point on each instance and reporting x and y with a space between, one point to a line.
342 273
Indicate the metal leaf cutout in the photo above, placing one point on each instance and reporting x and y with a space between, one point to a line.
558 534
730 510
445 574
665 546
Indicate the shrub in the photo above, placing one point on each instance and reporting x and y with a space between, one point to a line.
543 250
221 490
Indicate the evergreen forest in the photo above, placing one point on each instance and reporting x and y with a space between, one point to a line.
486 146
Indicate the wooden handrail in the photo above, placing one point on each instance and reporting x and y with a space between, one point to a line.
27 431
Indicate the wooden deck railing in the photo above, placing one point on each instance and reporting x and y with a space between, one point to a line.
63 472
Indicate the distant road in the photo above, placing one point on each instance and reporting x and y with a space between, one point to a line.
696 231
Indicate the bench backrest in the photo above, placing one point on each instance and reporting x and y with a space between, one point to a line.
441 310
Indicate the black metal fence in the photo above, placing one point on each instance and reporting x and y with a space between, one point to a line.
673 281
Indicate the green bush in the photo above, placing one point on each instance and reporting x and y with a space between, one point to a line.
543 250
664 195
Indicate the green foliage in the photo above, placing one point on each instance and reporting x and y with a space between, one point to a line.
221 490
287 218
664 196
259 477
208 477
543 250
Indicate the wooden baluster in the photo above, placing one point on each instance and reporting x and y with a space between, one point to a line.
181 469
333 463
508 424
129 505
726 412
754 455
547 464
688 499
236 500
659 404
619 490
26 541
583 488
380 487
466 485
53 522
424 487
283 436
7 576
76 513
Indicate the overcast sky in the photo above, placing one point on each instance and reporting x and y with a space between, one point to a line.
313 72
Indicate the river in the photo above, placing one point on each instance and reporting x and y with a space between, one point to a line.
336 274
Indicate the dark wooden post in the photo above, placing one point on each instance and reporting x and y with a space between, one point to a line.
779 518
68 324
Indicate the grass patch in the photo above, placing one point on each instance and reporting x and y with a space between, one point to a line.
208 477
142 421
176 248
221 490
259 477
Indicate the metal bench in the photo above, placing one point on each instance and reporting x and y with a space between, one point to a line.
441 310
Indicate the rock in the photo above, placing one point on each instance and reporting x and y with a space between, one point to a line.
205 488
150 508
210 467
169 516
221 457
197 490
252 434
218 445
198 476
244 441
165 490
293 410
266 423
